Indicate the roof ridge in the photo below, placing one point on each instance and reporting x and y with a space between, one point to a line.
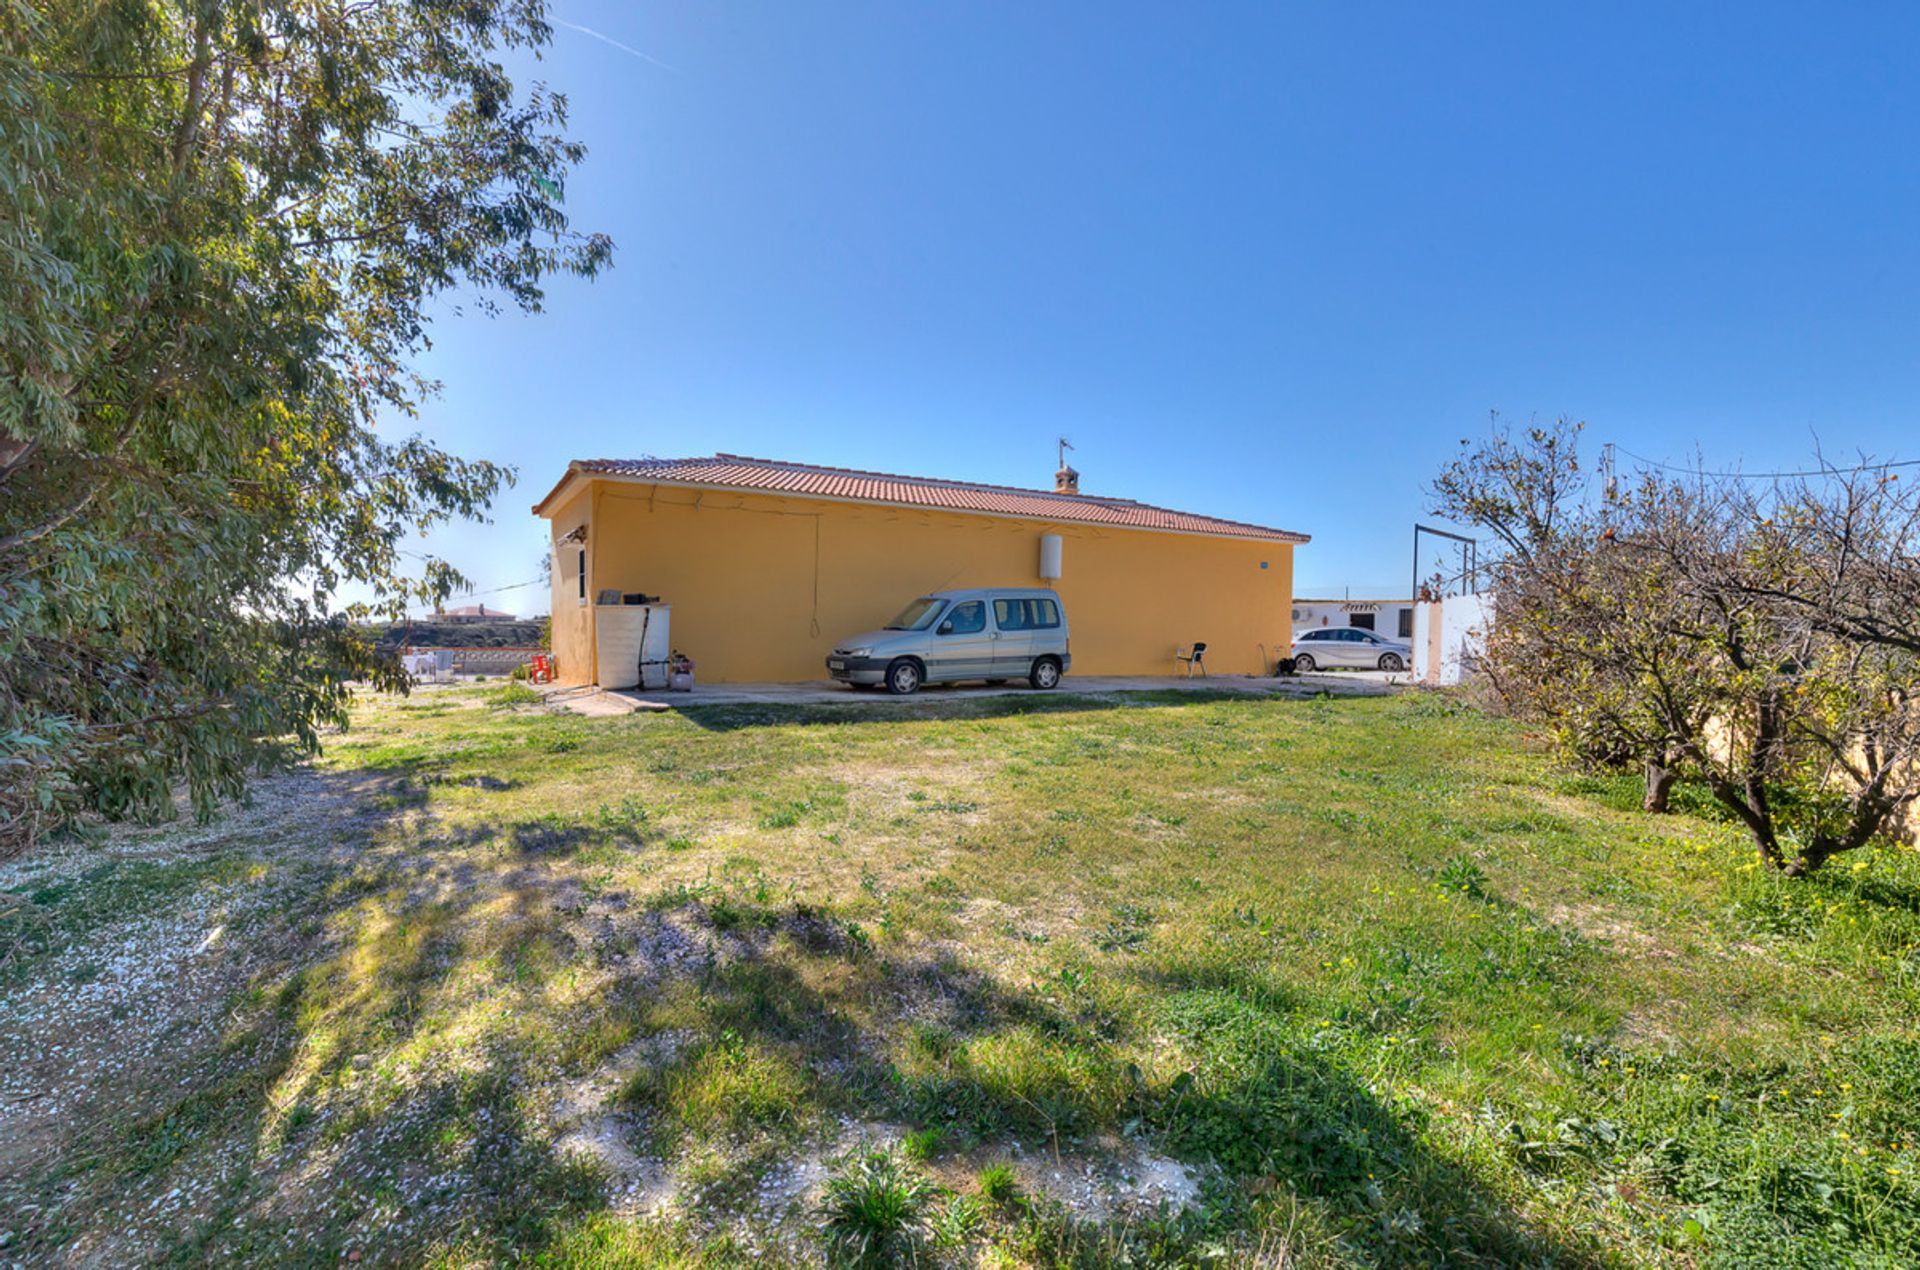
935 481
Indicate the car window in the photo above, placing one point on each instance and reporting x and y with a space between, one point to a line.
1025 615
917 616
966 619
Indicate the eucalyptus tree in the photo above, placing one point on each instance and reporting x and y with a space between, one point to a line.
222 226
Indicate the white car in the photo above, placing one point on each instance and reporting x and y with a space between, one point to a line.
1333 646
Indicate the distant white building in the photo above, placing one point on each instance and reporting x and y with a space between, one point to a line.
1391 618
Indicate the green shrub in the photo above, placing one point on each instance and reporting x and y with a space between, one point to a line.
1000 1186
955 1222
1463 875
923 1144
874 1210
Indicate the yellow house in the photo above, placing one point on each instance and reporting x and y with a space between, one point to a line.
766 564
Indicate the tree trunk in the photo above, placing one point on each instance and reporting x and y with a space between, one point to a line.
1812 856
1660 780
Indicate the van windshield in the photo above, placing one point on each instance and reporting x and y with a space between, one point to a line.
917 616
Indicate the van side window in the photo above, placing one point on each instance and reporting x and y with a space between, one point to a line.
967 619
1026 615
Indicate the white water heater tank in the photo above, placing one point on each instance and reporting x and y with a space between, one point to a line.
1050 556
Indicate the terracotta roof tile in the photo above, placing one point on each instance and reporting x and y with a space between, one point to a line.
734 471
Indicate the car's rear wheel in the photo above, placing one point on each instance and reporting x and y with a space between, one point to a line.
1392 662
903 677
1303 664
1046 674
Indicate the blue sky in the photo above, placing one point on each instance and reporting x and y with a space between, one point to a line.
1263 261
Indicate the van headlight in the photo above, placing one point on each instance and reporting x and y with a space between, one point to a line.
856 652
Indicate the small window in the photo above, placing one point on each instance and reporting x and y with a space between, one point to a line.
583 575
1046 614
1406 623
1362 620
965 619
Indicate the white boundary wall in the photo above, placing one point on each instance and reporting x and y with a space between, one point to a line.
1448 635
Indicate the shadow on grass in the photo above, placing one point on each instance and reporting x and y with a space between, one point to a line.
371 1090
387 1083
1263 1106
958 706
1894 896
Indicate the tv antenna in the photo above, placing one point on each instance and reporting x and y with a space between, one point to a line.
1065 445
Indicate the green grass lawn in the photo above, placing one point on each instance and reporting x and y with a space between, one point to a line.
1360 982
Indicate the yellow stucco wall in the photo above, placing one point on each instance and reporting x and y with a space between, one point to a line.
572 633
762 586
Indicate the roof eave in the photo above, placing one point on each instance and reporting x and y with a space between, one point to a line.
573 470
1286 537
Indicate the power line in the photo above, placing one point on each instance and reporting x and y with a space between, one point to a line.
1768 476
514 586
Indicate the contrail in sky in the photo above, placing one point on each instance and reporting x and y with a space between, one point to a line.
608 39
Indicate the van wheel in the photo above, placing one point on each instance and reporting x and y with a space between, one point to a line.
1046 674
903 677
1392 662
1303 664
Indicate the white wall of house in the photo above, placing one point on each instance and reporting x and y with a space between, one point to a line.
1391 618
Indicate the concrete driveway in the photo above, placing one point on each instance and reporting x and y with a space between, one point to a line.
594 701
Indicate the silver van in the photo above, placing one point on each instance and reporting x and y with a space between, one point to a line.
994 633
